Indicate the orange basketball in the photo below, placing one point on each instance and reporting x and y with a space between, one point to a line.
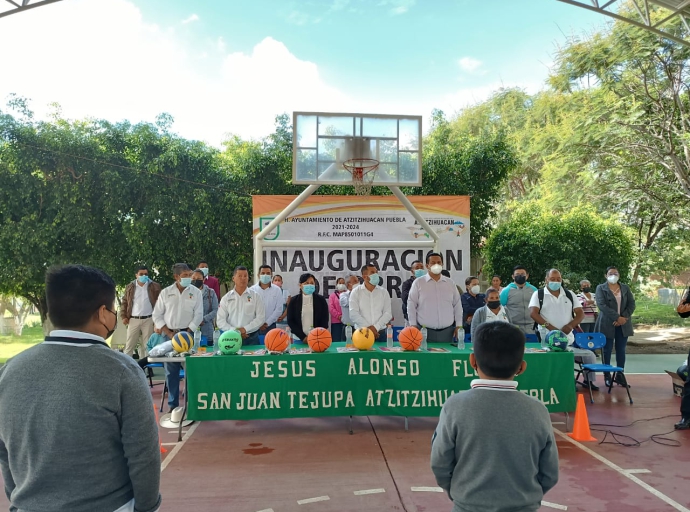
319 339
410 338
276 340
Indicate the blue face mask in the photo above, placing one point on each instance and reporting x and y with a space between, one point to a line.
420 272
374 279
185 281
308 289
265 279
143 279
554 286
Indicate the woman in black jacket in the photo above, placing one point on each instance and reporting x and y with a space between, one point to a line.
616 305
308 310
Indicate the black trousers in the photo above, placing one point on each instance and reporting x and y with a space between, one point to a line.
685 401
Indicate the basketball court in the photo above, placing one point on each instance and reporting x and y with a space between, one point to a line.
315 465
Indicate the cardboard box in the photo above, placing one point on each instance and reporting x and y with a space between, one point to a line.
677 383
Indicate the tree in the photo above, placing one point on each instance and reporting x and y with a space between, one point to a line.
580 244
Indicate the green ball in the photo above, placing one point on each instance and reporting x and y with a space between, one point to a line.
230 342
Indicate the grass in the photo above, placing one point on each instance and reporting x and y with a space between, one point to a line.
12 345
650 313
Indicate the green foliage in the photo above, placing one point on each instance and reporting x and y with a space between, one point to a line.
579 243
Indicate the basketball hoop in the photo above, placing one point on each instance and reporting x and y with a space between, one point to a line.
363 171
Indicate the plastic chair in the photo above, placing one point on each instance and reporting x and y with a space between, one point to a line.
152 365
396 332
531 338
262 338
468 338
597 341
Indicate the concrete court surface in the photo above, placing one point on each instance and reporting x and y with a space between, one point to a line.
315 465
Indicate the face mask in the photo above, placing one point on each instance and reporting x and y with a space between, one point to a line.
143 279
436 269
265 279
308 289
198 283
278 284
341 287
475 289
586 289
204 271
612 279
185 281
520 279
111 331
420 272
374 279
494 304
554 286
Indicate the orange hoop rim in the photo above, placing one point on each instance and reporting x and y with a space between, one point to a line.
364 165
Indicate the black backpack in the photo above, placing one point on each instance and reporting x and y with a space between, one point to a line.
568 294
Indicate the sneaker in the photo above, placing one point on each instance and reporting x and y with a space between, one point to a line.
621 380
607 382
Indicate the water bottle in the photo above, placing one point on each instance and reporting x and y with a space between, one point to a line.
348 335
424 336
289 335
461 340
216 337
544 344
389 336
197 340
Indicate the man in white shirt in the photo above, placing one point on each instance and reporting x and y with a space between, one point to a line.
561 310
242 309
370 305
179 308
434 302
351 281
272 297
136 310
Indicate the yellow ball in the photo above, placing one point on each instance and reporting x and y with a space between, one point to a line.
363 339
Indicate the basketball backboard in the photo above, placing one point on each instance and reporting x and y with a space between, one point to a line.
322 142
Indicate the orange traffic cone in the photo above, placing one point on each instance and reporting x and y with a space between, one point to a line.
163 450
581 428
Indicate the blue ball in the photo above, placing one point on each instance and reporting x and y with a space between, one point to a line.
557 340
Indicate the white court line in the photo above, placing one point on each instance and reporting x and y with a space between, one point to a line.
179 446
558 422
426 489
637 471
553 505
623 472
266 510
368 491
175 432
313 500
168 444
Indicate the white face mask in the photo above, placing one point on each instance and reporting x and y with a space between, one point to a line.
436 269
341 287
612 279
475 289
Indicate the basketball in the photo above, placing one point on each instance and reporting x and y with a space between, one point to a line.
557 341
410 338
229 342
183 341
276 340
319 339
363 339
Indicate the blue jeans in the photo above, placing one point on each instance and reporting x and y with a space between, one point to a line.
337 332
620 342
172 377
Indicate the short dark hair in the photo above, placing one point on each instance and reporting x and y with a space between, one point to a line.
469 279
430 254
277 275
238 268
269 267
415 262
305 277
142 267
520 267
499 348
75 292
178 268
489 291
495 275
365 267
612 268
200 262
198 270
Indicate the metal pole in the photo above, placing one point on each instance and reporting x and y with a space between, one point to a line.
351 432
259 238
410 208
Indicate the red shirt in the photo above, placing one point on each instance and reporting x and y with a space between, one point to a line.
212 282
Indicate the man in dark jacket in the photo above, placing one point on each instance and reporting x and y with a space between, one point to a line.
417 269
136 310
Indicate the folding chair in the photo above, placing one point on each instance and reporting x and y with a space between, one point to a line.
597 341
165 387
151 366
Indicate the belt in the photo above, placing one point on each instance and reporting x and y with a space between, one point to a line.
141 317
452 326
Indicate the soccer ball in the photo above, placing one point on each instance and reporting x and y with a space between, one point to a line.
557 341
229 342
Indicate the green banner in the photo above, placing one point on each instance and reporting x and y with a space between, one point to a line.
375 383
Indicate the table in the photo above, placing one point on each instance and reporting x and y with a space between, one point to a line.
376 383
183 362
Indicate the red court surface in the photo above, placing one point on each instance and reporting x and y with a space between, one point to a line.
315 465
